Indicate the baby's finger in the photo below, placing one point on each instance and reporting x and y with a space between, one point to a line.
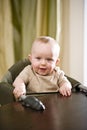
68 92
63 92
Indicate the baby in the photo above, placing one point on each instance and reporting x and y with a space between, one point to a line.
43 75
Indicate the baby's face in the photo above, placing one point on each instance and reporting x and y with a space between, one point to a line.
43 59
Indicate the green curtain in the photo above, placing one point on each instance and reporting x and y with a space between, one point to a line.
23 21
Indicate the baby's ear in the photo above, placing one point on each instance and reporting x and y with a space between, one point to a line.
57 61
29 56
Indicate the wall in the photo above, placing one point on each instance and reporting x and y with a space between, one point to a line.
76 39
85 42
73 38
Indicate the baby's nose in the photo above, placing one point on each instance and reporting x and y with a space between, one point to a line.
43 61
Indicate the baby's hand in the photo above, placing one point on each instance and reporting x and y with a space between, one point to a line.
65 89
18 91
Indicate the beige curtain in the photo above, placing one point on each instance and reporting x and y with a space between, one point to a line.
6 37
21 21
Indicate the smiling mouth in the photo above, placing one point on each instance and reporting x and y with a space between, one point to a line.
42 69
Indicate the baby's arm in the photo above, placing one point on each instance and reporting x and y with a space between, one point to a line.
20 87
65 88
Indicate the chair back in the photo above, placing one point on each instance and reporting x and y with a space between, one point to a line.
14 70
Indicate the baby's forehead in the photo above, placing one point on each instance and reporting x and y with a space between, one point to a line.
46 47
44 43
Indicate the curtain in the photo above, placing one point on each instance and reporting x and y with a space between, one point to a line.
21 21
6 37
